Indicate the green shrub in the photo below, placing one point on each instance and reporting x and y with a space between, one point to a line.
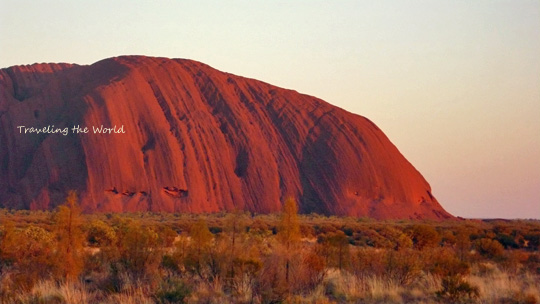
507 241
456 290
172 291
403 266
100 234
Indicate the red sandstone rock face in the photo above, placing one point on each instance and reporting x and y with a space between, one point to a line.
196 140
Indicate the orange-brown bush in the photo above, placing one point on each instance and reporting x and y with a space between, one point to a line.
489 248
30 255
424 236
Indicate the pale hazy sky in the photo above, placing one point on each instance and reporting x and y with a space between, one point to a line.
454 84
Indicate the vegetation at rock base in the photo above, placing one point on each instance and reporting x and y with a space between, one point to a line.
64 256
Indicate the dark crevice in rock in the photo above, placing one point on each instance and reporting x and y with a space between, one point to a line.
175 192
242 160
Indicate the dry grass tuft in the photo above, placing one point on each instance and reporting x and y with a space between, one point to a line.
51 292
499 286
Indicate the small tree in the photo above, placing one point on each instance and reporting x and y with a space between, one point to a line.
335 248
138 249
463 243
235 227
289 231
70 238
198 253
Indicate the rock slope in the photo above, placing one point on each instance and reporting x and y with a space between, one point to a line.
195 140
